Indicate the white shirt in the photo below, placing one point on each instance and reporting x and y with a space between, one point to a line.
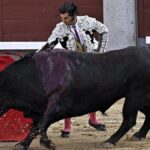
84 23
78 30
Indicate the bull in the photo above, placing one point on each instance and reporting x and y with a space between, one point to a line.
50 86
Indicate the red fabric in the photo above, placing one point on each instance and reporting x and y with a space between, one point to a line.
4 61
13 126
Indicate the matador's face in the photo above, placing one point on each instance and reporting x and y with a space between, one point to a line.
68 20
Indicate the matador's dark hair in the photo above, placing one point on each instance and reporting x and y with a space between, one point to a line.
68 7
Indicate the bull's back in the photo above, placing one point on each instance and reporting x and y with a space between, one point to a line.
89 76
86 69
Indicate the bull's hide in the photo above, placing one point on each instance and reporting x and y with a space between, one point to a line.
51 85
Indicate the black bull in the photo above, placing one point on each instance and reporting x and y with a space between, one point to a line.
49 86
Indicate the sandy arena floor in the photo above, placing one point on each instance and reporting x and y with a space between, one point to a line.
84 137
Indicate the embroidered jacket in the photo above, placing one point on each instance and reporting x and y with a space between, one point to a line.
88 25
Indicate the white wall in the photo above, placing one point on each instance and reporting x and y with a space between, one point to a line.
119 16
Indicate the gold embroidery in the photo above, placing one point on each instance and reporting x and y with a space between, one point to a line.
79 47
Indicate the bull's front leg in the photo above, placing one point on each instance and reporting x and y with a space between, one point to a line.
52 114
44 140
24 145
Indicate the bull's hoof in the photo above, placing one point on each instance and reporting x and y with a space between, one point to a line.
137 137
107 145
47 143
20 147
